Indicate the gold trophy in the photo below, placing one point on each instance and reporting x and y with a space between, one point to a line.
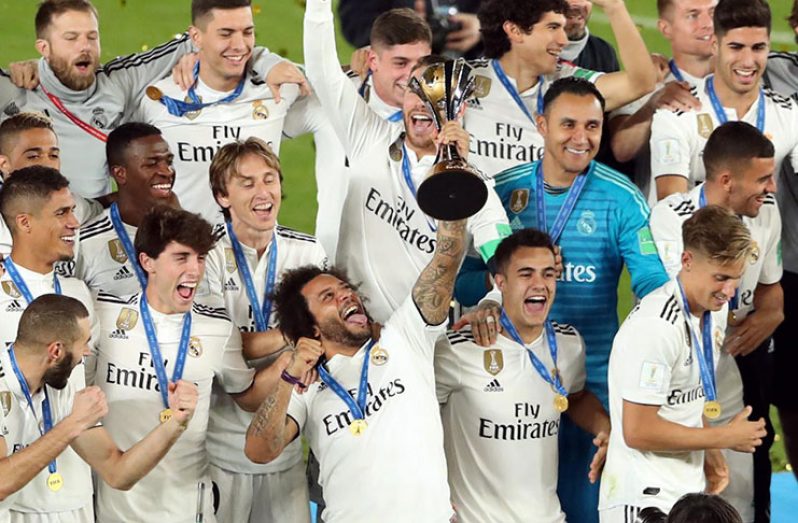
453 190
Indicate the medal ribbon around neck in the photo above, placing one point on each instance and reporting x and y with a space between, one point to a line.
675 71
88 129
706 362
180 108
155 349
567 207
407 173
702 202
357 408
22 287
554 381
393 118
261 313
720 112
127 245
47 415
513 92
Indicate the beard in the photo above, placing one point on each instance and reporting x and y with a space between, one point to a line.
67 75
58 376
334 330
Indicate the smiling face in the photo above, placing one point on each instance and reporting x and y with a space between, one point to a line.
254 193
749 186
540 48
225 38
52 227
71 46
742 55
571 129
338 311
147 176
709 285
391 67
689 28
528 286
173 277
37 146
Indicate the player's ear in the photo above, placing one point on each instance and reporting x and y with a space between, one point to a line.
54 351
146 262
513 32
500 280
120 174
540 121
43 47
687 260
196 37
5 165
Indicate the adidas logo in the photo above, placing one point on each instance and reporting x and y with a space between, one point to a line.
474 103
230 285
493 386
14 306
123 273
118 334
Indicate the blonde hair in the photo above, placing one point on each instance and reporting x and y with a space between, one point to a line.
718 234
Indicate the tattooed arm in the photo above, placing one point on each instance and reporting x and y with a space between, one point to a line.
271 429
434 287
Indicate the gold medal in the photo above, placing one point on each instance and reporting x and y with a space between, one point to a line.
731 318
153 93
55 481
379 356
560 403
165 415
357 427
712 409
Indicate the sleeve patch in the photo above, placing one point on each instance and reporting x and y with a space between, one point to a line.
652 376
668 152
646 242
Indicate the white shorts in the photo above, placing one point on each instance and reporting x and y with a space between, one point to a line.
619 514
81 515
280 497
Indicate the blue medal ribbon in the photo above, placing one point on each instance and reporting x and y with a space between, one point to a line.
720 113
513 92
155 350
567 207
554 380
261 313
47 415
675 71
22 287
408 176
127 245
179 107
357 408
706 362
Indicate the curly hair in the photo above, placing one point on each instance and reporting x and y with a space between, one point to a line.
523 13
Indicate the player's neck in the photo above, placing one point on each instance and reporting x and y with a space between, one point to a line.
253 238
130 210
217 82
421 152
695 306
332 348
715 195
155 302
554 174
696 66
528 333
31 366
740 102
31 259
524 75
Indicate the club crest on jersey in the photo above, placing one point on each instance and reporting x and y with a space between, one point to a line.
519 199
192 115
481 86
230 260
127 319
116 250
259 110
754 256
11 289
5 401
194 347
586 225
493 360
705 125
98 118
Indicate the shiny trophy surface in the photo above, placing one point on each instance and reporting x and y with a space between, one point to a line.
454 189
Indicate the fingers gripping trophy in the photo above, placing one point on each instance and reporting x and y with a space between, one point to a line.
454 190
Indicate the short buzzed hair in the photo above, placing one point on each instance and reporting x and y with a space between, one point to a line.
120 139
19 123
163 225
49 318
49 9
732 145
28 190
398 27
528 237
201 8
717 234
572 85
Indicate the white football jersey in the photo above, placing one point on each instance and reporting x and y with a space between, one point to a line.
228 424
500 425
502 136
678 138
126 374
396 469
653 363
386 240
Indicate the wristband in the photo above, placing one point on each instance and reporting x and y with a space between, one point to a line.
292 380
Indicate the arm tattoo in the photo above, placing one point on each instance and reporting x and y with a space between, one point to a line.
433 289
267 425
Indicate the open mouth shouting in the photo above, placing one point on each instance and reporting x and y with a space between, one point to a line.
535 304
422 123
186 290
353 314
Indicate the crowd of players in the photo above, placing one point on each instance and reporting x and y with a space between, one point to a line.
168 345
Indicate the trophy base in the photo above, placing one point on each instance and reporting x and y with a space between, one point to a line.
452 194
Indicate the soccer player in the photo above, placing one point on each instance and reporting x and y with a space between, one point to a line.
501 405
386 240
662 378
586 50
687 26
140 161
740 178
523 40
599 220
734 92
163 329
43 414
251 254
373 421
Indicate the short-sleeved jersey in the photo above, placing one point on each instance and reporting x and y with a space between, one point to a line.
104 106
607 229
22 425
666 222
500 425
396 468
653 362
126 374
502 136
678 138
386 240
228 423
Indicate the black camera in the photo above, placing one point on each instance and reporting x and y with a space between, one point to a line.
441 25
